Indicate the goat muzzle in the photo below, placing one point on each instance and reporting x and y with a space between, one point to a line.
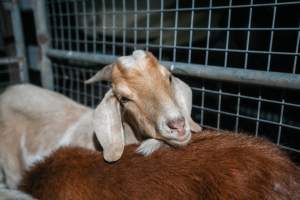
177 125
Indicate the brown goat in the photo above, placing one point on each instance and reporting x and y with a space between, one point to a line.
213 166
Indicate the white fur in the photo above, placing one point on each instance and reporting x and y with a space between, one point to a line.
8 194
132 61
127 61
68 136
170 111
139 54
148 146
31 158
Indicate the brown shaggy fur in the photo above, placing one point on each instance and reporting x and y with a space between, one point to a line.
213 166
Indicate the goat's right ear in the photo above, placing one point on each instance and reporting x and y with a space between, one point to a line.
183 96
102 75
108 127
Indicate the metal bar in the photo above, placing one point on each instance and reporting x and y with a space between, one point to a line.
76 25
208 33
43 43
272 79
103 27
9 60
258 113
227 35
175 31
69 24
135 25
236 128
272 36
248 37
19 40
55 27
280 122
191 33
94 26
198 28
202 103
114 28
289 148
296 51
62 35
147 25
85 29
161 30
124 24
219 105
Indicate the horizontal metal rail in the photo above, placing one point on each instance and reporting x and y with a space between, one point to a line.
272 79
9 60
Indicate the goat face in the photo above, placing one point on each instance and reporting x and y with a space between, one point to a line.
153 102
146 92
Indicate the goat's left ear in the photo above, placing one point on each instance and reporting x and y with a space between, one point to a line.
184 97
108 127
103 74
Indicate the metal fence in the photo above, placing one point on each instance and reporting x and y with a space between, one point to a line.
13 65
240 57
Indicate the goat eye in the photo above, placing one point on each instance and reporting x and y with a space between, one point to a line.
124 100
170 78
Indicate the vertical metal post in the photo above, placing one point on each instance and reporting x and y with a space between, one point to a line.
148 25
19 40
191 31
208 33
43 43
161 29
175 31
124 25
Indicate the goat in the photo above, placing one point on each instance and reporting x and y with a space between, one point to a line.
145 101
214 166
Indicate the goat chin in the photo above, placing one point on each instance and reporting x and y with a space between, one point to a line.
212 166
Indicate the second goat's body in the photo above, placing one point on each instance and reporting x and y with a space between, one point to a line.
214 166
34 126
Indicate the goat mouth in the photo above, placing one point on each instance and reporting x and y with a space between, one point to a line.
180 141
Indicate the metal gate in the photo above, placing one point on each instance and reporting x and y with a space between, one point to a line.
240 57
13 65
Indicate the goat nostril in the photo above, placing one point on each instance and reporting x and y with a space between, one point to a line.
178 123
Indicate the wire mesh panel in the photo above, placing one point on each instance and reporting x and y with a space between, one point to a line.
255 35
262 35
69 80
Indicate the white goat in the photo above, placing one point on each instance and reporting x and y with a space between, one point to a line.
146 103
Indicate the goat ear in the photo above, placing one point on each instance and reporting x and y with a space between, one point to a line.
102 75
183 96
108 127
